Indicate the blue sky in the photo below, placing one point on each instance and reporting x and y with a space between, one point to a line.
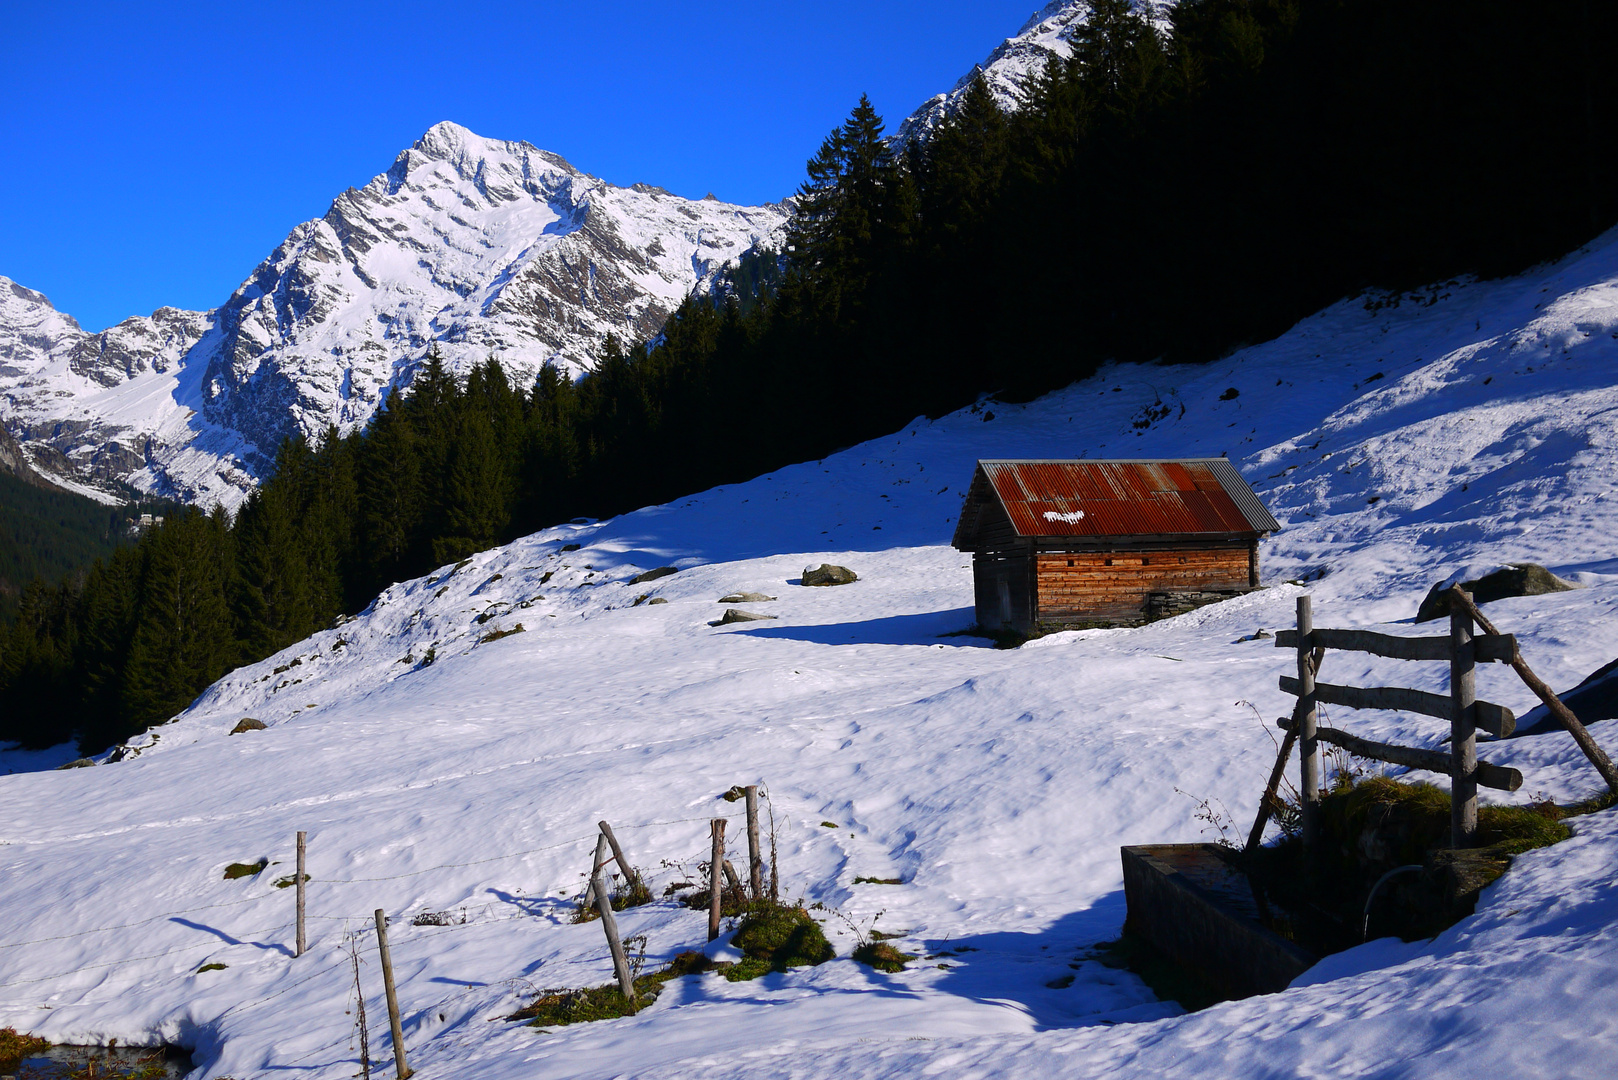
154 153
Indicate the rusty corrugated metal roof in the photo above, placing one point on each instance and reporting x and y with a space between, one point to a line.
1193 497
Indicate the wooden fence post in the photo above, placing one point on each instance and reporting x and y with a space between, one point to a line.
302 942
609 923
400 1066
631 876
1598 757
755 860
1309 745
716 877
1463 810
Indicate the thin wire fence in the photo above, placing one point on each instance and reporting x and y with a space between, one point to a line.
282 927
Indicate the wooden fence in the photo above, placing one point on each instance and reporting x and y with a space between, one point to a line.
1462 649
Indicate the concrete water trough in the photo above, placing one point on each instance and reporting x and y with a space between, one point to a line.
1191 904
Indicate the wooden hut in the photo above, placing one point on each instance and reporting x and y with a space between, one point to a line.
1061 544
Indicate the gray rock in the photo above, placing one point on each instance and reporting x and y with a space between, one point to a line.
653 575
247 724
745 598
656 600
1521 579
81 763
735 615
827 574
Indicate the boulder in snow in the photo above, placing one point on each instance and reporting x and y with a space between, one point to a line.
734 615
1520 579
745 598
827 574
653 575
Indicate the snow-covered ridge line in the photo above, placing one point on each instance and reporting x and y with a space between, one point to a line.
1399 440
480 247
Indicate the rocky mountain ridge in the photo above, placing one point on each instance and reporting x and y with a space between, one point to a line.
480 247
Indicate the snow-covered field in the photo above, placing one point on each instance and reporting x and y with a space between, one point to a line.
1399 445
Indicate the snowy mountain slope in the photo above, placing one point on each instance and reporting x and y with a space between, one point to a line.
1017 62
479 246
997 785
88 409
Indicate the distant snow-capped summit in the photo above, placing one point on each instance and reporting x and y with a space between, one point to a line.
1012 68
483 247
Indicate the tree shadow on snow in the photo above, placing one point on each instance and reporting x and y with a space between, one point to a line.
926 628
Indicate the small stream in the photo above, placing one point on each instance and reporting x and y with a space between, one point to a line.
107 1063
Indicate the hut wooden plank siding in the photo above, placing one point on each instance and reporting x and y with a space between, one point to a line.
1082 543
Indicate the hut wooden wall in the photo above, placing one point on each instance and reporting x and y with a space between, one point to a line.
1112 585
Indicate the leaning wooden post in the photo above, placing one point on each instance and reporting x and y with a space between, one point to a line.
716 877
631 878
1561 712
302 942
1309 745
1266 802
400 1066
1463 809
609 923
755 860
1269 801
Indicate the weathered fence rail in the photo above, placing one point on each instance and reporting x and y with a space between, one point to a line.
1497 720
1490 646
1413 757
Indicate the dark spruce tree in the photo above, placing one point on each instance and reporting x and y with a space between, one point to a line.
184 637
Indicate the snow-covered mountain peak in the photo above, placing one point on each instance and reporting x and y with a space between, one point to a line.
18 296
479 247
484 162
28 319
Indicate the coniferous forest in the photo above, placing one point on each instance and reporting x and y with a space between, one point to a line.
1161 195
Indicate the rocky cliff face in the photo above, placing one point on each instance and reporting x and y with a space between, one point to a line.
480 246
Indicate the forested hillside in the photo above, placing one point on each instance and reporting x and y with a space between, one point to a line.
1160 196
47 534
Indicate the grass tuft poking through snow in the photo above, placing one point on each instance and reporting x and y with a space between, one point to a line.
237 870
777 937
